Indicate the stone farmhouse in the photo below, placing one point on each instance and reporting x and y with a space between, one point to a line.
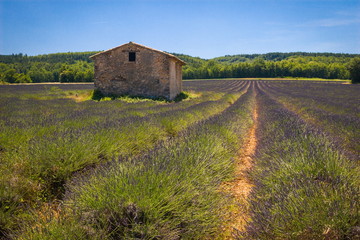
137 70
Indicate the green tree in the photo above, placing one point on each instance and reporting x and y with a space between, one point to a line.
67 76
10 76
354 69
22 78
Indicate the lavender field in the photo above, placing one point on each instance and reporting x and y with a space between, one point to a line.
75 168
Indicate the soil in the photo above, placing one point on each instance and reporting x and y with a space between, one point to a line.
241 187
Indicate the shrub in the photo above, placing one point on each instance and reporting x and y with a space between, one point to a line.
97 95
181 96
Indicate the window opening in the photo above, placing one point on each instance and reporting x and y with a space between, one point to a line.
132 56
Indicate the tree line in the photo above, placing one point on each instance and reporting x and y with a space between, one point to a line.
262 66
58 67
77 67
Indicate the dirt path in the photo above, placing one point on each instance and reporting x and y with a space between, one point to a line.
240 188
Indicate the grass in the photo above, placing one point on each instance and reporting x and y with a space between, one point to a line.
97 95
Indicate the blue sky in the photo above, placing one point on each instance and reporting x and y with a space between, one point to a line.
204 28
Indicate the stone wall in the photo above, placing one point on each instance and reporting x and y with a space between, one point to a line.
149 75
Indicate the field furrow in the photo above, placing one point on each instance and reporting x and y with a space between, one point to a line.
241 186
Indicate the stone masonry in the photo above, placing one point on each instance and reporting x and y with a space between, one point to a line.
136 70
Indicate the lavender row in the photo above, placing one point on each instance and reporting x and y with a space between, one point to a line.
44 142
173 189
304 187
340 121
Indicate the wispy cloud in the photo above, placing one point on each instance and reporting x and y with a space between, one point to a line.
100 22
339 18
333 22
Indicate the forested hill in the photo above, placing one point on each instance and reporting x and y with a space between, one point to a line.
77 67
278 56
